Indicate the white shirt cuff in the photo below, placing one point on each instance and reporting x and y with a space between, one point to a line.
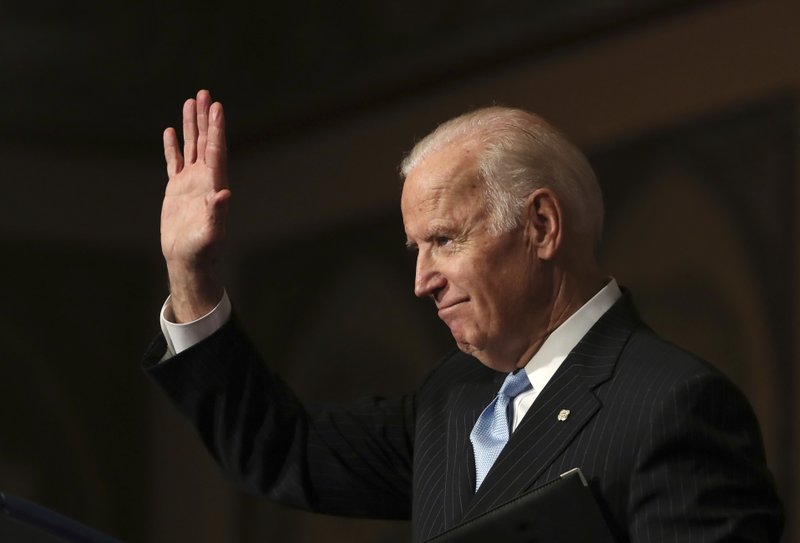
182 336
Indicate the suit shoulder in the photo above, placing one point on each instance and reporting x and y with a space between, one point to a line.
653 370
647 352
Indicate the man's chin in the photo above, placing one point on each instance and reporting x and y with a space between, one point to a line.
472 350
484 358
466 348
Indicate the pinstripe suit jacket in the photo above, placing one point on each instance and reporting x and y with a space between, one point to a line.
671 448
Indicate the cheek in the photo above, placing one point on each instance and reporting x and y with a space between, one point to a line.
493 296
507 294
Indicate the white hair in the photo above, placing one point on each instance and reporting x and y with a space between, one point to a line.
520 152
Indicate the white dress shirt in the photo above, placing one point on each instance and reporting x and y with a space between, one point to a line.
560 343
182 336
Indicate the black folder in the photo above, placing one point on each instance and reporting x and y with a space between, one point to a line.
22 521
561 511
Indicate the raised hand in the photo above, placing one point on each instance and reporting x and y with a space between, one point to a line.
194 209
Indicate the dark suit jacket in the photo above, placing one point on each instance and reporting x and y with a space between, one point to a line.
670 446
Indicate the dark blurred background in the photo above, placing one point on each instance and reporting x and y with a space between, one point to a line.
688 110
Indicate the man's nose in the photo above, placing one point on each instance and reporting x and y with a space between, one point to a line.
428 279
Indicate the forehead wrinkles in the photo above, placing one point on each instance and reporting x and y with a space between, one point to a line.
448 201
435 196
445 187
451 175
448 210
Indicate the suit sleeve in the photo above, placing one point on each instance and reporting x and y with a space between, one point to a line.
353 461
700 472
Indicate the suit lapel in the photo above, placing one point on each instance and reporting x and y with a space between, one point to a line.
559 413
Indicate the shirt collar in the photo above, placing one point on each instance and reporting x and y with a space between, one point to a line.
563 339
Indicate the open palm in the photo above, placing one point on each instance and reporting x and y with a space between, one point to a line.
195 200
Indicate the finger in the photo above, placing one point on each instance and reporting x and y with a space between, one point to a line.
190 131
203 103
216 146
172 153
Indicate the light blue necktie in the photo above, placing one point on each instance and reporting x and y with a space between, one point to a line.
491 430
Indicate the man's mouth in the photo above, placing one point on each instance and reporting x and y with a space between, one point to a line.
447 309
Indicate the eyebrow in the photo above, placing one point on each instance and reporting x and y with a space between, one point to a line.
433 233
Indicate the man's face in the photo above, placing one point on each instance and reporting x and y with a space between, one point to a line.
483 285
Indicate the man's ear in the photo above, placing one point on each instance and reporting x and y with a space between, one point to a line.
544 223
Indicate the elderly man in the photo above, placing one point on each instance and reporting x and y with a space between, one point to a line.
554 369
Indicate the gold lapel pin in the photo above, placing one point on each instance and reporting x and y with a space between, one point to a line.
563 415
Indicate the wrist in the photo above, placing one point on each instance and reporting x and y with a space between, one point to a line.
194 291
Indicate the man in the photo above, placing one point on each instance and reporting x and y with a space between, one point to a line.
506 216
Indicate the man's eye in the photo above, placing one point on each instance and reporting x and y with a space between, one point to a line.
442 241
